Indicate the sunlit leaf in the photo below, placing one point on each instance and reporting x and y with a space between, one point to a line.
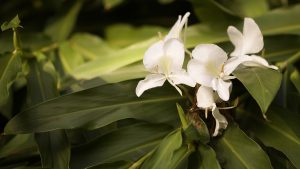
295 78
13 24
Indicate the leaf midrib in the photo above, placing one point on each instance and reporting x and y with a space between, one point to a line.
235 153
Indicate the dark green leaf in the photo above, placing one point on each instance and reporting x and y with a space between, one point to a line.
277 134
127 143
295 78
113 165
10 65
208 157
97 107
53 146
238 151
262 84
13 24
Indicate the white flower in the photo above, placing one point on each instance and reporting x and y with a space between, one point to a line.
247 44
209 68
206 99
164 59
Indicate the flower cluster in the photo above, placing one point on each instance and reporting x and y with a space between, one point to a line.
209 66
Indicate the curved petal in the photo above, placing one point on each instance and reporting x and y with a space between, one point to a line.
177 27
221 122
223 88
237 39
205 97
174 52
258 61
201 72
210 53
153 56
232 63
151 81
253 38
182 77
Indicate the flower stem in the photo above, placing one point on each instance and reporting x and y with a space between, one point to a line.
293 59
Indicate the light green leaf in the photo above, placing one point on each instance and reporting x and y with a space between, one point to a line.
277 134
69 58
162 158
239 151
122 35
127 143
97 107
262 84
61 28
90 46
10 65
112 62
13 24
295 78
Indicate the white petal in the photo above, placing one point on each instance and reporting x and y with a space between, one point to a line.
237 39
221 122
176 29
205 97
174 52
253 39
223 88
210 53
153 56
151 81
182 77
232 63
176 87
258 61
201 72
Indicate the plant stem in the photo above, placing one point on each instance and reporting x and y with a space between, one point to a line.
291 60
48 48
16 41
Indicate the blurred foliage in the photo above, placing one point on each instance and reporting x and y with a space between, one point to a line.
68 73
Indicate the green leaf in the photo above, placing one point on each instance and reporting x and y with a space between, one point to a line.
113 165
262 84
61 28
212 13
97 107
113 61
15 145
53 146
108 4
239 151
127 143
69 58
122 35
54 149
165 152
277 134
13 24
208 157
90 46
10 65
295 78
243 8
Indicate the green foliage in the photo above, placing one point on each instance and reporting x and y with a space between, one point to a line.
67 94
